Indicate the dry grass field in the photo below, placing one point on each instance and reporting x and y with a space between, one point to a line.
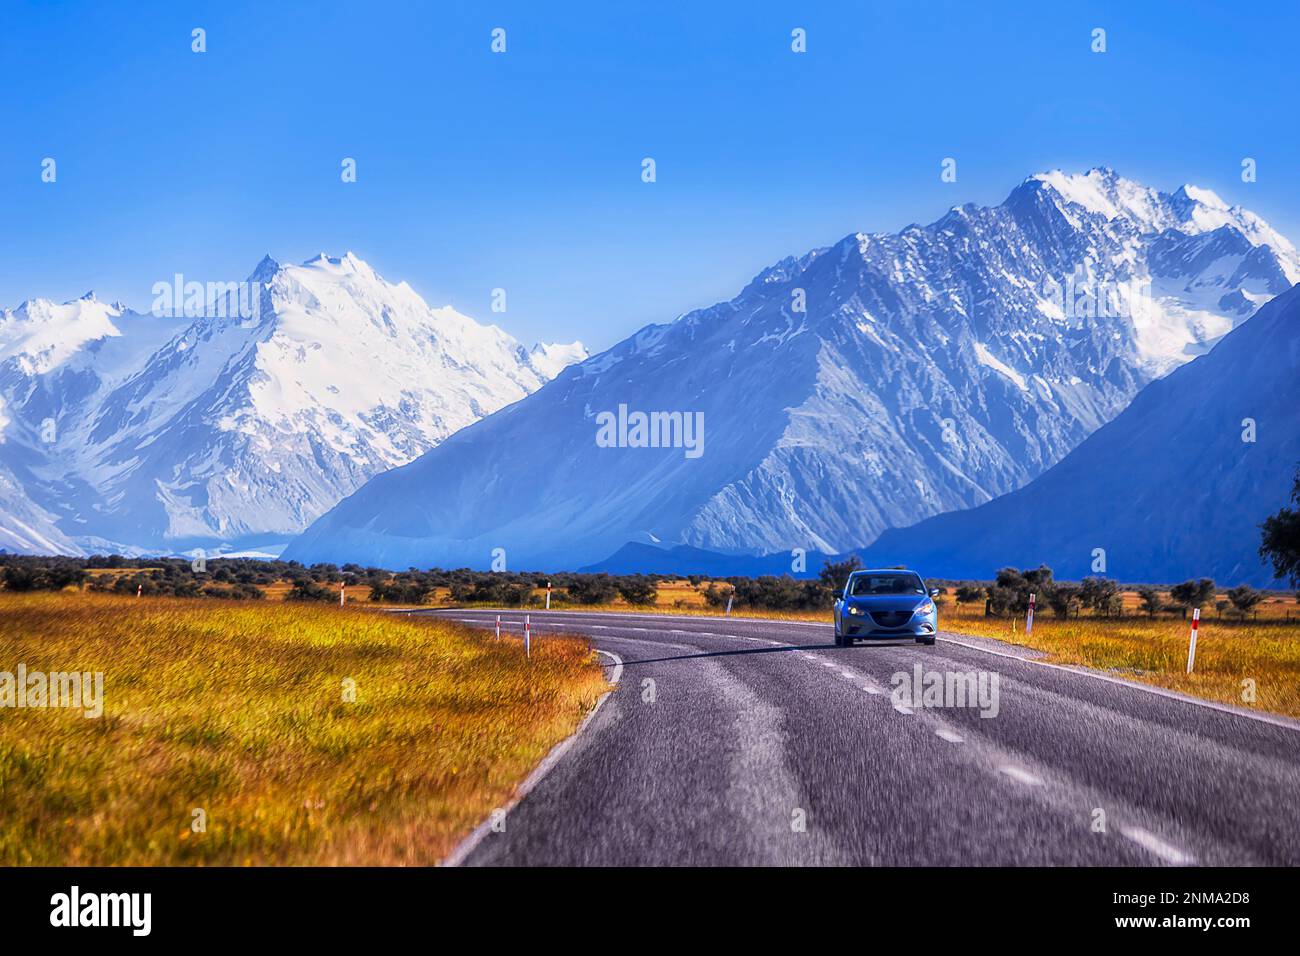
1228 653
238 709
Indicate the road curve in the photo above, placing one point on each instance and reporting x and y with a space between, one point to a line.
733 741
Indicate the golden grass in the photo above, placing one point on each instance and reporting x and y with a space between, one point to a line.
237 709
1154 651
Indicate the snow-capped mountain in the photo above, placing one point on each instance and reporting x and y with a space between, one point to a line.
862 386
252 419
1173 488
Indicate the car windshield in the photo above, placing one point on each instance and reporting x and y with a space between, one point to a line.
897 582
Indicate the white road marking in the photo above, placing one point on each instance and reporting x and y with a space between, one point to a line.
1021 776
467 845
1274 719
903 709
848 675
1152 843
872 690
943 733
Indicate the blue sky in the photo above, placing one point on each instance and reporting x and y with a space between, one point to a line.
522 170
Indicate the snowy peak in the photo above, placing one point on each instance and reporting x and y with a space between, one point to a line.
1187 195
552 358
1192 210
1106 193
40 334
241 409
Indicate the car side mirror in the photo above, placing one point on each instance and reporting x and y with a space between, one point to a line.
934 592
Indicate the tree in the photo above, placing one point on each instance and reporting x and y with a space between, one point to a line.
1280 538
836 574
638 590
1192 594
592 589
969 594
1150 600
1244 598
1010 592
1098 594
305 589
1063 599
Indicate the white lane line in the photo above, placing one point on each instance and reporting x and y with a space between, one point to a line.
943 733
848 675
1153 844
1021 776
467 845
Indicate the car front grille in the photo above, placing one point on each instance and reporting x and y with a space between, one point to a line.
891 618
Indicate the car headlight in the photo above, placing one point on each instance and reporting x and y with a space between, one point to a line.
855 610
924 610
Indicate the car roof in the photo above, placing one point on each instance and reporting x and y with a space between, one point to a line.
885 571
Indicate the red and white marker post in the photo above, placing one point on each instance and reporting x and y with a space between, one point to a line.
528 638
1191 644
548 595
498 627
343 591
139 589
1029 620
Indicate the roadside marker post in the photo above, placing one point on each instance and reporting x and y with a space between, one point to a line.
1191 644
528 638
729 597
343 592
548 595
139 589
498 627
1029 621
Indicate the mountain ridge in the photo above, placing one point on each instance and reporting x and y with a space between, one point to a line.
173 430
931 370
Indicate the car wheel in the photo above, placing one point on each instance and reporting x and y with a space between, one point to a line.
925 640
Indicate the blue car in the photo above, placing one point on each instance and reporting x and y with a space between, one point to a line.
887 603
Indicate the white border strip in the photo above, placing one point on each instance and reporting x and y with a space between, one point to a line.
1277 720
467 845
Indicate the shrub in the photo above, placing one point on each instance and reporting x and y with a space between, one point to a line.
306 589
639 591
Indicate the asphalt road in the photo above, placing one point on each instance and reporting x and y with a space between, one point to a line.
742 742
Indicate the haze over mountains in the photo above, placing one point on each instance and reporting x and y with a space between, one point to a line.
126 431
863 386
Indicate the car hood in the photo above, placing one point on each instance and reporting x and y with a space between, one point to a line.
888 602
